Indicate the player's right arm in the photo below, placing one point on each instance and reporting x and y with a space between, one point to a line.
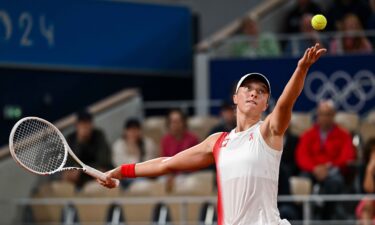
194 158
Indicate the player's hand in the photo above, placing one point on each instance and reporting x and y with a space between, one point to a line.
311 56
110 176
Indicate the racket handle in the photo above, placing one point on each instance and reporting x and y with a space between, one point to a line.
97 174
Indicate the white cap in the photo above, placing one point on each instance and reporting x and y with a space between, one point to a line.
257 76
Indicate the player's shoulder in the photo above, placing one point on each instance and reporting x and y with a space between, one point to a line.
213 138
217 135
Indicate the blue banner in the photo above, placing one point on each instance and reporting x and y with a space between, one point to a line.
348 80
94 34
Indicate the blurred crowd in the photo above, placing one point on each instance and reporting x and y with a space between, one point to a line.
324 154
348 21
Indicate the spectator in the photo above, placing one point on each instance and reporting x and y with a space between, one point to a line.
353 40
340 8
365 211
294 17
132 147
309 36
176 140
323 153
252 43
90 145
227 119
178 137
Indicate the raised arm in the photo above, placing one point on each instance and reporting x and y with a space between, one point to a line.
194 158
277 122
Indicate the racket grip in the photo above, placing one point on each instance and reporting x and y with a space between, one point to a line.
97 174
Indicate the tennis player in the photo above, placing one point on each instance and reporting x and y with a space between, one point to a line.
247 158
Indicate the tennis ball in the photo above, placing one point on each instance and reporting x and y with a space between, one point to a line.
319 22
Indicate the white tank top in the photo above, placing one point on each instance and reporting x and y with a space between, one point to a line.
247 177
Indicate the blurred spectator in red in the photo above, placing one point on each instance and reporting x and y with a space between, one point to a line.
227 119
365 211
176 140
323 154
250 42
294 16
91 147
353 40
339 8
178 137
308 37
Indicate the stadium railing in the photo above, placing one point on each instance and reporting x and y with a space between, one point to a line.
183 201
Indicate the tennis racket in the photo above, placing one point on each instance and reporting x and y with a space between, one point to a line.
39 147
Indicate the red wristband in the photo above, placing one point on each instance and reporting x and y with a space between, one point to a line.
128 170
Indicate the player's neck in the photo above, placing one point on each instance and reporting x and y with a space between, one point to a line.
245 122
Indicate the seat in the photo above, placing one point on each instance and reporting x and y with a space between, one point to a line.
348 120
193 184
54 189
197 183
300 122
155 127
142 213
95 213
370 117
367 131
138 213
201 125
147 187
300 185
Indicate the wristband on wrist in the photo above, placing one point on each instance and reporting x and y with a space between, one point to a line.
128 170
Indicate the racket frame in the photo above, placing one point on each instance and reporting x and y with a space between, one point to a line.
85 168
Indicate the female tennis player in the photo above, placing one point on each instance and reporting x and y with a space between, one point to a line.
247 158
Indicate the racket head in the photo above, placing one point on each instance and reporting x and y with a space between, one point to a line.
38 146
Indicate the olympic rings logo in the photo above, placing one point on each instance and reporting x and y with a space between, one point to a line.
351 93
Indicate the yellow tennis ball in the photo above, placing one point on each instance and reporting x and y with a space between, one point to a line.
319 22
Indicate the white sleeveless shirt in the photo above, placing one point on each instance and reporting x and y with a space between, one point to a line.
247 177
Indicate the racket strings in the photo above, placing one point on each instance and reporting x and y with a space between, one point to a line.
38 146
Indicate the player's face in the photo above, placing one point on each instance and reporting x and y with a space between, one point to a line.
252 96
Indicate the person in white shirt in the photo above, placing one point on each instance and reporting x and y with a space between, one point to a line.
247 159
132 146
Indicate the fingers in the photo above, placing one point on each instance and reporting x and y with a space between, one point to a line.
311 52
108 182
316 52
320 53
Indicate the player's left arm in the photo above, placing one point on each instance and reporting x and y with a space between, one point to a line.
277 122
